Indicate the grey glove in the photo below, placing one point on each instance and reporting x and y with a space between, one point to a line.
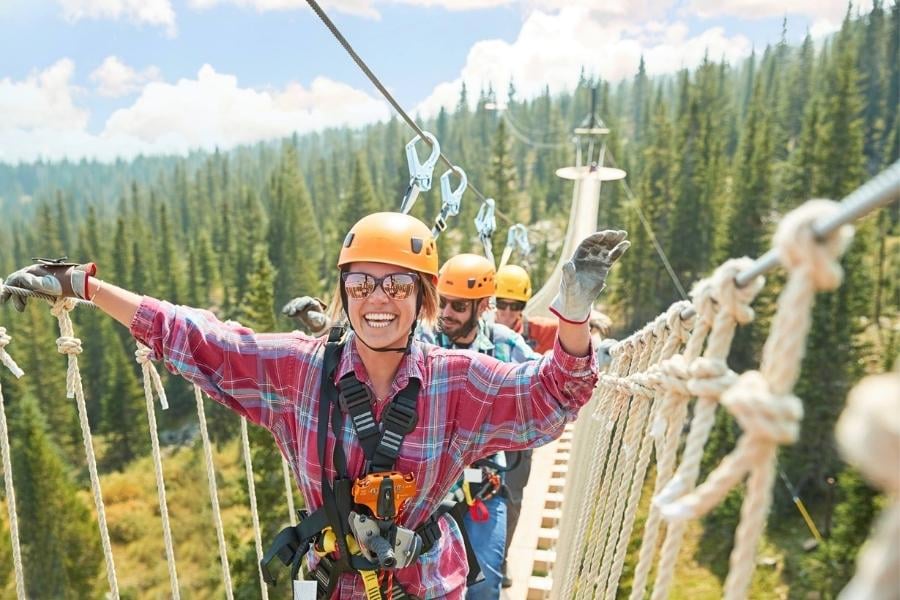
310 312
53 278
584 276
604 358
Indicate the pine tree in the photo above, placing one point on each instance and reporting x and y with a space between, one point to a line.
59 540
257 306
170 262
642 279
502 182
294 238
123 417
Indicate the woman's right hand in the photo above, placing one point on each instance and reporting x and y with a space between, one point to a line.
310 312
52 278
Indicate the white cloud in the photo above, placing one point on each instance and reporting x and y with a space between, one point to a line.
213 110
38 118
158 13
826 13
114 78
362 8
43 99
551 50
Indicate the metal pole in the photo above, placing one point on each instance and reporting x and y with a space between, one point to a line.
877 192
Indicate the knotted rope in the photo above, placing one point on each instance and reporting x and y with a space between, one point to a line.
761 401
608 462
670 336
668 424
70 345
10 364
151 381
709 378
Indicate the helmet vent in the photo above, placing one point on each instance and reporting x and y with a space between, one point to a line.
416 244
348 240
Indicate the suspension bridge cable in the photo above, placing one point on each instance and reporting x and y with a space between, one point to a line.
523 136
649 229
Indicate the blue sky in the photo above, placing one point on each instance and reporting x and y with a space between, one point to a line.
106 78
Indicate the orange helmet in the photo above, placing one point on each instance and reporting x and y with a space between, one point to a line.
513 283
467 276
393 239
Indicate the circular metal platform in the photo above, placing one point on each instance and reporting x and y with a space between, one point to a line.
601 173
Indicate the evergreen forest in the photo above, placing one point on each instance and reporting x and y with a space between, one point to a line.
715 156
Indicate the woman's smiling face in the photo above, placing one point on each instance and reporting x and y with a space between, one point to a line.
381 320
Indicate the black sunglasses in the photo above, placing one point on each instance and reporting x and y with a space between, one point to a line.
459 306
510 305
397 286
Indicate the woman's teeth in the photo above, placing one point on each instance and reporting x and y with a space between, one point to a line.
379 320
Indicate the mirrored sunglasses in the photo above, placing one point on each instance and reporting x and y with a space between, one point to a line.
397 286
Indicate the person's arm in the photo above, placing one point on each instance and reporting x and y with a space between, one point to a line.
256 375
511 408
507 406
117 302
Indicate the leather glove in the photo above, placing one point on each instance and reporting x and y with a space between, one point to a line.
53 278
584 276
310 312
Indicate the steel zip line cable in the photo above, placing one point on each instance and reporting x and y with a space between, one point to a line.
387 95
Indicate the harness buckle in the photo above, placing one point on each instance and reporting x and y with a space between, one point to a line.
404 417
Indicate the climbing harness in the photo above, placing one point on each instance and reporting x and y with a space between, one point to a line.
356 529
419 173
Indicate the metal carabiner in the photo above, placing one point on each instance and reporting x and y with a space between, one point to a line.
486 225
451 199
419 173
516 237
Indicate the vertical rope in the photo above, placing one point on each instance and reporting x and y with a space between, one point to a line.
69 345
251 490
710 377
596 543
677 334
19 569
641 402
670 423
868 431
289 490
578 513
214 494
151 377
584 440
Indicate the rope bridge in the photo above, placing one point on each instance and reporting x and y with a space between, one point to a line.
640 410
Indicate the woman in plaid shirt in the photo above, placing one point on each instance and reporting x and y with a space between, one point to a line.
470 405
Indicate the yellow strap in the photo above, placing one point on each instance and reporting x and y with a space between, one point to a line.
373 590
469 500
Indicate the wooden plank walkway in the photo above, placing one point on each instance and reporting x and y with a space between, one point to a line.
532 552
